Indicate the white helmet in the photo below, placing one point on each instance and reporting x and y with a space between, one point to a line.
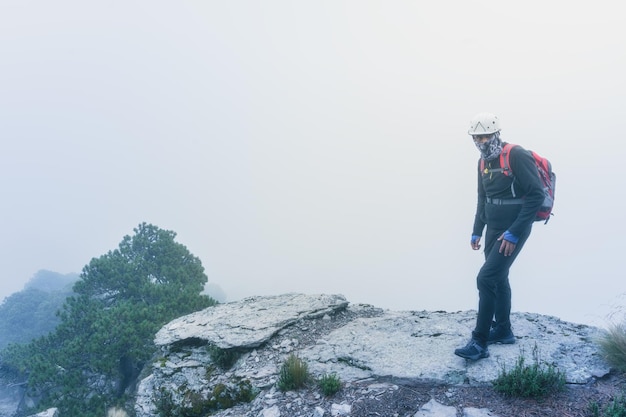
484 124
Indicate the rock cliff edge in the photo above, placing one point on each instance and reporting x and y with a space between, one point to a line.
355 342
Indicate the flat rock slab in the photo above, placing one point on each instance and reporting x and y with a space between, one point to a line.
250 322
420 345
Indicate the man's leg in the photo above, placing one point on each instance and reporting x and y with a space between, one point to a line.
502 312
493 286
476 348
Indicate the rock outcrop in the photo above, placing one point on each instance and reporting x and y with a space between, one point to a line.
362 345
51 412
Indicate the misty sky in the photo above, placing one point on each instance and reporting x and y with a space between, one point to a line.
316 147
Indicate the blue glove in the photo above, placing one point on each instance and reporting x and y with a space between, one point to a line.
511 237
475 238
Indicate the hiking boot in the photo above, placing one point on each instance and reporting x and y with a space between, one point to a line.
473 350
501 334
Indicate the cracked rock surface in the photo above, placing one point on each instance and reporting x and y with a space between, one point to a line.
374 352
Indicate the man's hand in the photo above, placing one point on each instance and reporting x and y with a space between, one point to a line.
506 247
475 242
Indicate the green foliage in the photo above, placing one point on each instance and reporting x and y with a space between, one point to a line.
107 328
615 408
613 346
294 374
329 384
32 312
194 404
224 358
529 381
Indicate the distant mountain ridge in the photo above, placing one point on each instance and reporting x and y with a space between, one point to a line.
51 281
31 312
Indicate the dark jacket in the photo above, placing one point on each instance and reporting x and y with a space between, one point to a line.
525 183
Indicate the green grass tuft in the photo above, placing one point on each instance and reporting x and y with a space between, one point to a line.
329 384
294 374
224 358
613 346
615 408
529 381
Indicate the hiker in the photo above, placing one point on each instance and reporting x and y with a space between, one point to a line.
507 205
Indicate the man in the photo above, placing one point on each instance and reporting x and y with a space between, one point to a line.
507 205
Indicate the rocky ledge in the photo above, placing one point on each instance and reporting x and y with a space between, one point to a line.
371 350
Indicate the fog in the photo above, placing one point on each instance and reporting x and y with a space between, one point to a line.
316 147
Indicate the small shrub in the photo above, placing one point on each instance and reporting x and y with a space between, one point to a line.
593 409
195 404
616 408
613 346
224 358
294 374
529 381
329 384
245 392
164 403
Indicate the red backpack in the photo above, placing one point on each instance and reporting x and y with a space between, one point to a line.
546 175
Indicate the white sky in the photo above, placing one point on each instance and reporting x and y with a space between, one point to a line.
317 146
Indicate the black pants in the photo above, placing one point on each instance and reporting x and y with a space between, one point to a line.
494 291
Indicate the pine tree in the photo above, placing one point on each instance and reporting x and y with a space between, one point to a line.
107 328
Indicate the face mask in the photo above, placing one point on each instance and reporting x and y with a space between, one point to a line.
491 148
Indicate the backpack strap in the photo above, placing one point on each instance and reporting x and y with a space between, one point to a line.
505 165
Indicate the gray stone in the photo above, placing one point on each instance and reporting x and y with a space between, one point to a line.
247 323
433 409
340 410
51 412
270 412
420 345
